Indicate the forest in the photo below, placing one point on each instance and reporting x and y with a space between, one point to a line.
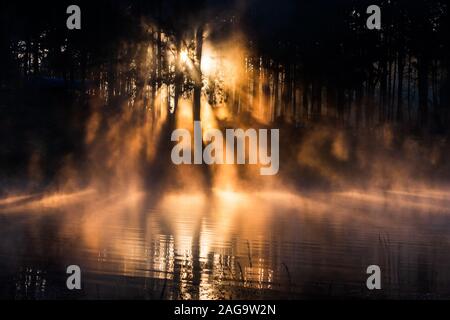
252 63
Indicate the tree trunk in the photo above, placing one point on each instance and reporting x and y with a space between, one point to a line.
401 66
198 77
178 80
423 88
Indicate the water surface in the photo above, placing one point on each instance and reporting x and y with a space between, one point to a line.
226 244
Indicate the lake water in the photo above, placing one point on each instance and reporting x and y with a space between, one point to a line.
226 244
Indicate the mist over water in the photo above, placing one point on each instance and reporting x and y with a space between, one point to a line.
255 244
141 227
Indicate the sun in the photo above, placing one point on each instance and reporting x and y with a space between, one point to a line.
208 64
184 56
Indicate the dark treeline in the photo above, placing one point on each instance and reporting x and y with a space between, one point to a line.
307 61
330 64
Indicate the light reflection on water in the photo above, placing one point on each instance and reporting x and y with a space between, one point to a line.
226 245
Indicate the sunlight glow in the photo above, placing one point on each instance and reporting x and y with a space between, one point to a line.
208 64
184 56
